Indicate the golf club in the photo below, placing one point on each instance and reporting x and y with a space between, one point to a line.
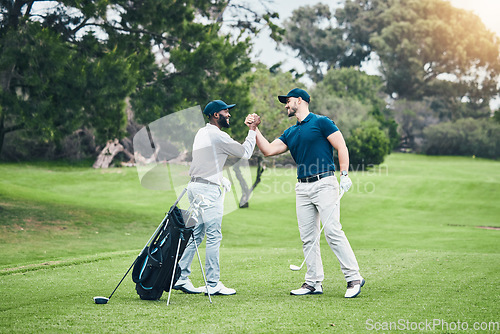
202 271
198 201
297 268
104 300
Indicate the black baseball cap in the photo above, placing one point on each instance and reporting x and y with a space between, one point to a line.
296 92
216 106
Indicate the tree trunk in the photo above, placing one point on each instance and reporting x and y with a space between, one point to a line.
108 153
4 130
2 136
245 196
245 192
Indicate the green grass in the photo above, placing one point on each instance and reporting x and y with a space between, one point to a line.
69 233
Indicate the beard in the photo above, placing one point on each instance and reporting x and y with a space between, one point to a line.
292 111
223 121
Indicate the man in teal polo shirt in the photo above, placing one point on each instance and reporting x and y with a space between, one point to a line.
311 142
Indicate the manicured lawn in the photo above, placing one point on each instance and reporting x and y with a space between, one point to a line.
70 233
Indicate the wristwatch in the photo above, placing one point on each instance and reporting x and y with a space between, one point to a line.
343 173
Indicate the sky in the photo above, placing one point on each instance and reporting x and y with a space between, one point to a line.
265 48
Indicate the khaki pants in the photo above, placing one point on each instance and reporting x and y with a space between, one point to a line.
315 201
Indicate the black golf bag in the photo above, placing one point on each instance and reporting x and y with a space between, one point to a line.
154 267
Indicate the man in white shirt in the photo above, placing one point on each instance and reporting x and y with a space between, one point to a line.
211 148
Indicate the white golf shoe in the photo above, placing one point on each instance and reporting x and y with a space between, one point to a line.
354 288
187 287
219 289
307 289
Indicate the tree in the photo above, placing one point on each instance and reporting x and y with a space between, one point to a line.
354 84
413 117
249 18
264 90
319 44
496 116
347 113
352 98
425 46
53 89
56 78
208 72
324 41
359 20
69 65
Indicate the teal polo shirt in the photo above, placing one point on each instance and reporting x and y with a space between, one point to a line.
308 145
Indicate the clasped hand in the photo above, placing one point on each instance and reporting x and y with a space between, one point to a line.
252 121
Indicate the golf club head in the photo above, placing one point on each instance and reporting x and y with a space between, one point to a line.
101 300
199 199
192 221
202 200
294 267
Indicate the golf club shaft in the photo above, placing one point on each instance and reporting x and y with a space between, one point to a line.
146 245
320 231
123 278
202 271
310 249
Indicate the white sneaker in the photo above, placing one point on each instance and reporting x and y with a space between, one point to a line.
187 287
219 289
354 288
307 289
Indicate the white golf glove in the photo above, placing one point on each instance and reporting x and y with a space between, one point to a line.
345 183
226 184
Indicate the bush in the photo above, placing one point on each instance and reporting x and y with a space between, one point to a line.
367 146
496 116
25 145
468 136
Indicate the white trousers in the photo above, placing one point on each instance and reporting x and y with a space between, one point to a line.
315 201
209 224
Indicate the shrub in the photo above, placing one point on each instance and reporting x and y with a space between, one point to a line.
467 136
368 145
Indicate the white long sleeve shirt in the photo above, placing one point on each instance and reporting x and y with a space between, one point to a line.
211 148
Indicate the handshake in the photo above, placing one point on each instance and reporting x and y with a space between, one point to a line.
252 121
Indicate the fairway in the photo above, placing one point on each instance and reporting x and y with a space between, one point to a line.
416 224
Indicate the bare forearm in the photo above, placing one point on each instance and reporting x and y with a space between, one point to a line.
343 154
338 143
263 143
267 148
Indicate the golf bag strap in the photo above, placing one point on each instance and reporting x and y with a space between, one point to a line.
155 262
